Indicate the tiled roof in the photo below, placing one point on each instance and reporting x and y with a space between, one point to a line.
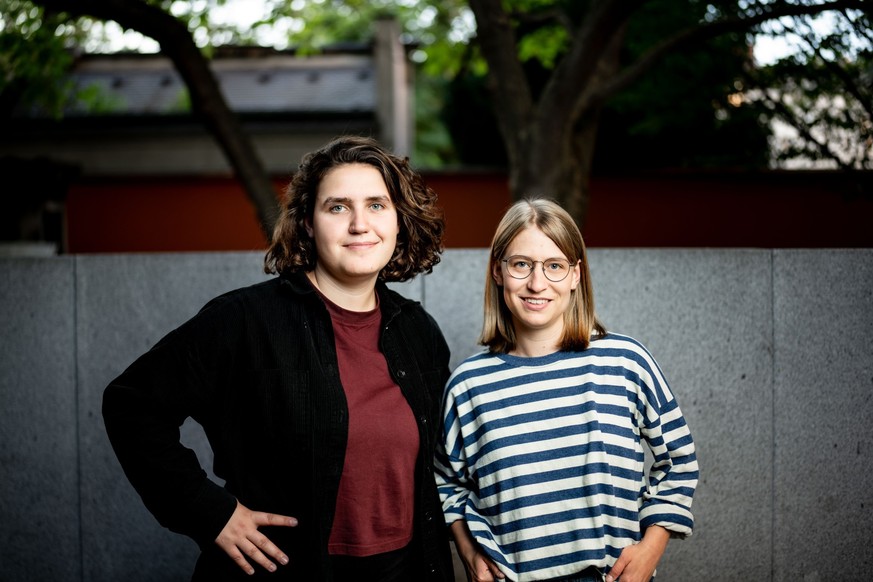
256 84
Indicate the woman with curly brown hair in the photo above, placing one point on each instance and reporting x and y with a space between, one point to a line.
319 391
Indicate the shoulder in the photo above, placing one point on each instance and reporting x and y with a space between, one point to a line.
617 344
245 297
616 350
409 311
473 368
267 302
393 299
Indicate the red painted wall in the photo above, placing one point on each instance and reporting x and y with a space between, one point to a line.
770 210
121 215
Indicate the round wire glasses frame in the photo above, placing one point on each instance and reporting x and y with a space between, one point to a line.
520 267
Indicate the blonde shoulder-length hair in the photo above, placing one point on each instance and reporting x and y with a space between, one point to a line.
580 322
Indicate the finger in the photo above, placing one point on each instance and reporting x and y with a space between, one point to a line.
229 547
617 568
254 553
262 518
483 570
495 571
266 546
240 561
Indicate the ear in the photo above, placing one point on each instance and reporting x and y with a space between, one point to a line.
576 275
307 224
497 273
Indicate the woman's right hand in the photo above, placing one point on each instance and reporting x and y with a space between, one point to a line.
480 568
240 538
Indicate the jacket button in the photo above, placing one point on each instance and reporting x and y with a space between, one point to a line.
401 373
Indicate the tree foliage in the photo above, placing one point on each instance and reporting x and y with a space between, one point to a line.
33 59
151 18
558 89
822 95
551 135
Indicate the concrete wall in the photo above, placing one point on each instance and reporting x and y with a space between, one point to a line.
769 353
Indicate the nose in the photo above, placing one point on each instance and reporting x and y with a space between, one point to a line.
537 281
358 222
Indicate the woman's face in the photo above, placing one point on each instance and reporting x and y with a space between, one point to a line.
354 224
537 304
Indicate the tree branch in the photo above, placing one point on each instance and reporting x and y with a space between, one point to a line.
550 15
206 97
702 33
573 74
512 96
840 73
782 110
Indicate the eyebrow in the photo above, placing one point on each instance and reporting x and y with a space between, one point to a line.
533 259
330 200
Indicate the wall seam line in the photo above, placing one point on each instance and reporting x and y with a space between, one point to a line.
78 410
773 414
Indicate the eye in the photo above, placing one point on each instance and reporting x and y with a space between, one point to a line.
377 206
556 266
520 263
336 208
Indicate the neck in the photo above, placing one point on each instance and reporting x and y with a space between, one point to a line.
534 346
354 297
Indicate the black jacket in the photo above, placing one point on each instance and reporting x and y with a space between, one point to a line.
257 368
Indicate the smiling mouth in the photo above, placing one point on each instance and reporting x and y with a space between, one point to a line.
535 301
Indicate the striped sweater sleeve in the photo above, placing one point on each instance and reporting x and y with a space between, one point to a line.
673 476
450 465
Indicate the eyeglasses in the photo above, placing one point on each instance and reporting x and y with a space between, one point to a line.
520 267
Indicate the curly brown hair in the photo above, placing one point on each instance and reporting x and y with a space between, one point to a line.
421 222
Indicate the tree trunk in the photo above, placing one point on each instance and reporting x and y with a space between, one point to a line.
206 97
557 163
550 142
563 176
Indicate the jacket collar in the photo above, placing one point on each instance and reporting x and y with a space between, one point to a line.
390 302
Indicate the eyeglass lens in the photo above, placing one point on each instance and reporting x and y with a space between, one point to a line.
520 267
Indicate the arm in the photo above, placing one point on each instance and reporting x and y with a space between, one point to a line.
673 475
453 484
672 478
666 506
143 409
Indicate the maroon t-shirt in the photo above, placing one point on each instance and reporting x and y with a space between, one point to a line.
375 504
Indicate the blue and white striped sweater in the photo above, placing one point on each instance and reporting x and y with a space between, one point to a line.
544 456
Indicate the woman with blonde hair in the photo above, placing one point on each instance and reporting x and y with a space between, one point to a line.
541 464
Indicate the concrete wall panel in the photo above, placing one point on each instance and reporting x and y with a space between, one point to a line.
706 317
823 451
768 352
39 499
453 295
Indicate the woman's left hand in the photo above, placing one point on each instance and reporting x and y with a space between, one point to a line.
637 563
